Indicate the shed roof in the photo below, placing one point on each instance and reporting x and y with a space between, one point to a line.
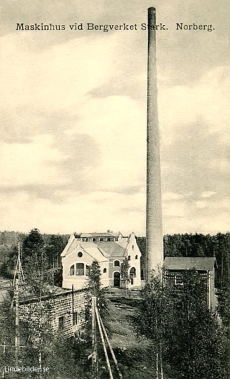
189 263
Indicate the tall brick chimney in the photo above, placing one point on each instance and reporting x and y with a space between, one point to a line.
154 233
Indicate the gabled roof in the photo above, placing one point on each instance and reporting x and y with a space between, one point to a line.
93 251
71 244
111 249
88 247
98 250
123 242
189 263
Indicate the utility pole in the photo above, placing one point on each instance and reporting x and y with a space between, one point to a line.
103 344
72 293
18 272
94 338
110 346
17 343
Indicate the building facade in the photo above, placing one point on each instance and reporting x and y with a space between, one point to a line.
174 267
109 250
64 312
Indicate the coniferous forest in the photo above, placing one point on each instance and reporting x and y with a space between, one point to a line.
176 245
184 339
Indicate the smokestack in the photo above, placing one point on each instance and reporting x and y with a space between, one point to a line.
154 234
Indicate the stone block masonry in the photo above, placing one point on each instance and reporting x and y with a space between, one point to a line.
64 312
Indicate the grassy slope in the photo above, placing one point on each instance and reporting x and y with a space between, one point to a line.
133 353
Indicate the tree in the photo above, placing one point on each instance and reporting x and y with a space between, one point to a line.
69 358
32 245
40 346
91 332
94 289
183 331
7 333
54 247
141 242
125 272
36 323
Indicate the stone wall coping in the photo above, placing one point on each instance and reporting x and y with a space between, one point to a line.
51 296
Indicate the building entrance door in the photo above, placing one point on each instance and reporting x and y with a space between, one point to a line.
132 275
116 276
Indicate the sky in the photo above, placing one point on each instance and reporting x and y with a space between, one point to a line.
73 117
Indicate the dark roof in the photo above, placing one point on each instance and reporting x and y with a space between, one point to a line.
105 234
111 248
189 263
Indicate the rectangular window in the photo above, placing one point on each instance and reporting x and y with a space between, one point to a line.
61 323
87 270
79 268
178 280
75 318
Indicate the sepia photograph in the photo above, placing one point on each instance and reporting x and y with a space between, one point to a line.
114 190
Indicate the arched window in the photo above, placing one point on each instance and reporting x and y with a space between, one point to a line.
116 263
104 270
87 270
71 271
136 256
132 272
129 257
79 268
